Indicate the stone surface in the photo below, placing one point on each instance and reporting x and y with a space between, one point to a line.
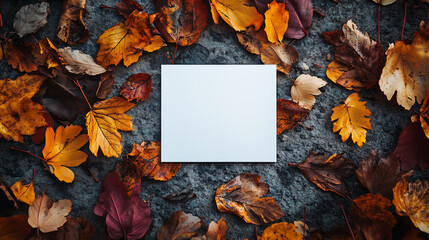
218 45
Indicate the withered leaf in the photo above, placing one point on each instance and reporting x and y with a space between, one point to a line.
14 228
217 231
327 172
181 196
105 85
137 87
71 29
23 56
413 147
51 54
73 229
181 21
179 226
30 18
283 230
126 7
379 175
244 197
289 113
424 115
80 63
305 88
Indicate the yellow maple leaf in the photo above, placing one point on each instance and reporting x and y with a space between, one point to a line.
24 193
239 14
103 122
276 21
352 119
127 40
62 150
19 115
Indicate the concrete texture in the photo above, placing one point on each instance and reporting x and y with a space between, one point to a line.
218 45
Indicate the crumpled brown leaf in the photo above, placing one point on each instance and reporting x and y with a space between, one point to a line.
78 62
179 226
30 18
23 56
14 228
71 29
105 85
137 87
289 113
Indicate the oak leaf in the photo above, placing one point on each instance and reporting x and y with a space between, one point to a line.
289 113
244 197
239 14
30 18
379 175
127 40
24 193
362 56
181 21
127 217
276 21
62 150
413 147
407 69
327 172
14 228
126 7
180 225
305 88
410 199
23 56
78 62
424 115
19 115
137 87
73 229
47 215
103 122
352 119
71 23
283 230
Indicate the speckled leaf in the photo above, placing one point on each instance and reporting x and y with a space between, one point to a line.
179 226
289 113
71 29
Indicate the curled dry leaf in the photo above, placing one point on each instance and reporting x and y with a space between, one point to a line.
413 147
407 69
105 85
305 88
73 229
137 87
379 175
19 115
410 199
352 119
283 230
289 113
47 215
22 56
244 197
24 193
144 160
62 151
103 122
239 14
181 21
185 194
276 21
30 18
14 228
127 40
78 62
424 115
327 172
71 29
370 216
180 225
51 54
359 58
127 217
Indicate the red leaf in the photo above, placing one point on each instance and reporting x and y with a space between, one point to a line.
137 87
413 147
39 136
126 217
126 7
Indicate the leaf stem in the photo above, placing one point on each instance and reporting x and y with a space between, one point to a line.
34 174
81 90
293 164
104 6
24 151
315 64
93 175
308 128
175 51
405 17
317 11
347 221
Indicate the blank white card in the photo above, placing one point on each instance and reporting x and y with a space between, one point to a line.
218 113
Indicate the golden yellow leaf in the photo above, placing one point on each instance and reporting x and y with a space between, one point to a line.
276 21
62 150
407 70
352 119
19 115
127 40
410 199
283 230
335 70
305 88
24 193
103 122
239 14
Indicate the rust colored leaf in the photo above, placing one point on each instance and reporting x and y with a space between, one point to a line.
327 172
137 87
244 197
217 231
19 115
336 69
126 7
71 29
179 226
379 175
14 228
105 85
363 57
22 56
181 21
39 136
283 230
424 115
73 229
289 113
413 147
410 198
51 54
370 216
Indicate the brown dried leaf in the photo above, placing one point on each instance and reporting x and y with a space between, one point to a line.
79 62
23 56
73 229
14 228
289 113
105 85
179 226
424 115
137 87
71 29
30 18
217 231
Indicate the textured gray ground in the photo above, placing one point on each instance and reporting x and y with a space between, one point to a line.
218 45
